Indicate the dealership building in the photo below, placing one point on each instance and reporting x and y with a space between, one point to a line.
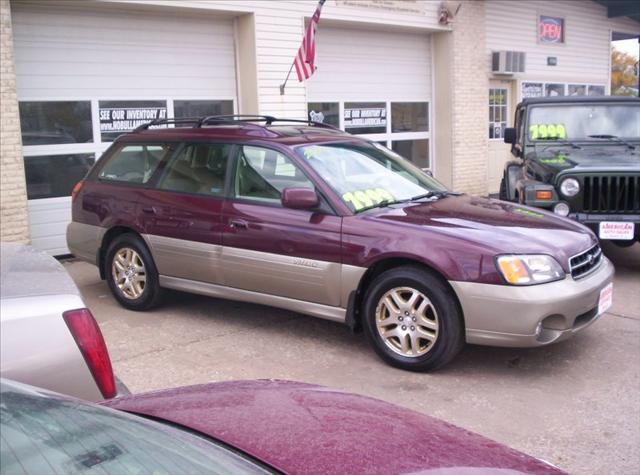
436 81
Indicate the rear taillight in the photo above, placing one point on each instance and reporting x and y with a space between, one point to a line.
76 190
88 337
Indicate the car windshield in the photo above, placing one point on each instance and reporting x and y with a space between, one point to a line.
43 434
584 122
367 174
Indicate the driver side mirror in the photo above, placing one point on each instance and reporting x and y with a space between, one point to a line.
300 198
510 135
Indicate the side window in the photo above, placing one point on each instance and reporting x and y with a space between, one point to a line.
197 168
520 132
262 174
133 163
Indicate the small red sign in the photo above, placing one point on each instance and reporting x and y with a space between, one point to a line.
550 29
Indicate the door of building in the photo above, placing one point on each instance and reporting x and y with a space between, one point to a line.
379 87
88 73
500 116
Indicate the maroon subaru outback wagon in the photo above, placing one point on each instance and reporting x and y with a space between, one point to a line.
305 217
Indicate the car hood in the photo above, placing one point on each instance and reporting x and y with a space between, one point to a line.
302 428
588 159
496 226
27 272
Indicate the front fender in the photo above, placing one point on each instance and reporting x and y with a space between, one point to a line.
528 189
513 172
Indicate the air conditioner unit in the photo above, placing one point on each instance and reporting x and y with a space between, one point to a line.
508 62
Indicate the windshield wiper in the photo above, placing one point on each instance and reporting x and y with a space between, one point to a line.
382 204
573 145
615 138
435 194
560 142
429 194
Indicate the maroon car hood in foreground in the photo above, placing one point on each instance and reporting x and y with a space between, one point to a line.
300 428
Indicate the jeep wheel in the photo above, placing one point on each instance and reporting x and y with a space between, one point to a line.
411 320
131 273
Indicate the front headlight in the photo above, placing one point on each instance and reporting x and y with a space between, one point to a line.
529 269
570 187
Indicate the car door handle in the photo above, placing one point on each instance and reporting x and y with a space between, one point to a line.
149 210
239 224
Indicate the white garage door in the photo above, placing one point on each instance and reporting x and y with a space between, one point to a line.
85 75
377 84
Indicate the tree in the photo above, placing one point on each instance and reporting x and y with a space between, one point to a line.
624 74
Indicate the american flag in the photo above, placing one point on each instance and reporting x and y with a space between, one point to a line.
306 58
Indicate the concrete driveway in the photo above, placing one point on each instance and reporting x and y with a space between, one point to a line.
575 404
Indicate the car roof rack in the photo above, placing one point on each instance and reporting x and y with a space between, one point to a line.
199 122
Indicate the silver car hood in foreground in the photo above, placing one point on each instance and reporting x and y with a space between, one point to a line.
36 346
27 272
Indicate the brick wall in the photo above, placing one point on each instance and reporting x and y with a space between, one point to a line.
14 222
470 77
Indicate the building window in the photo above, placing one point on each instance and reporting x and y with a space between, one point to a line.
550 30
118 117
540 89
52 176
577 90
497 112
365 117
416 151
409 117
553 90
56 122
184 108
596 90
407 131
324 112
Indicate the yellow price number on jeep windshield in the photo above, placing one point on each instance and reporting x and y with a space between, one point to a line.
547 132
364 198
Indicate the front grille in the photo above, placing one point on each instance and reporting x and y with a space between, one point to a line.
585 262
611 194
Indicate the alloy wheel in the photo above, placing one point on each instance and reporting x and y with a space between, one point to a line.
129 273
407 321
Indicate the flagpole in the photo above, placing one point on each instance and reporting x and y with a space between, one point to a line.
303 53
286 79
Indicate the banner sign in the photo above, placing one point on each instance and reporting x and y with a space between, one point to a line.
125 119
365 117
396 6
316 116
532 89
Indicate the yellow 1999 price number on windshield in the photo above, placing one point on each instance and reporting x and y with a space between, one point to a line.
364 198
547 132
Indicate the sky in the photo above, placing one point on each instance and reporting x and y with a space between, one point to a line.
628 46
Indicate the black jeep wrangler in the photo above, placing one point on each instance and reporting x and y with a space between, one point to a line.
579 157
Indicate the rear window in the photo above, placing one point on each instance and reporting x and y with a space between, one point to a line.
133 163
45 435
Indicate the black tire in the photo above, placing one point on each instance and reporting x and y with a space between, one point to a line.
503 190
150 293
449 338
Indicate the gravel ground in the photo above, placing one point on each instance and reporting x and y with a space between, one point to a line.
575 404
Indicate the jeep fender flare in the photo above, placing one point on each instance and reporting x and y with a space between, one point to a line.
513 175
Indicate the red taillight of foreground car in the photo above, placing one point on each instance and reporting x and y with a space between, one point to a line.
88 337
